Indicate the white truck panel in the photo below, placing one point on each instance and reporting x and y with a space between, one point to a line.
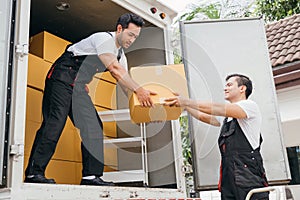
212 50
5 16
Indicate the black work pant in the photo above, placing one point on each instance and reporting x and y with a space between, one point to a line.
238 179
60 100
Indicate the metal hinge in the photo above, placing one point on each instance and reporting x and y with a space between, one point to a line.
22 49
17 149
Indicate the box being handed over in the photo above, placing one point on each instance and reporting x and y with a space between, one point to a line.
164 80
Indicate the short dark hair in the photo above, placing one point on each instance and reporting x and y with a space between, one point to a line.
127 18
242 80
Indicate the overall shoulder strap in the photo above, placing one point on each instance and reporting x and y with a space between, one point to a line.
120 50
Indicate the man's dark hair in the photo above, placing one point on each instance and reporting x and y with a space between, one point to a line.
242 80
127 18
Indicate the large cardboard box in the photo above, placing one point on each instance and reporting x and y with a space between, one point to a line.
37 71
165 80
109 128
31 128
106 76
68 146
34 105
47 46
103 93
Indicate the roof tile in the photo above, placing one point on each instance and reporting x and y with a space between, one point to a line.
283 39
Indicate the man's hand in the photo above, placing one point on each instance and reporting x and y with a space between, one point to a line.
144 97
176 101
172 101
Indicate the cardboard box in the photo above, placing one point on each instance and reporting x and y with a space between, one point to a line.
106 76
30 132
69 144
47 46
37 71
64 172
109 128
34 100
103 93
164 80
110 159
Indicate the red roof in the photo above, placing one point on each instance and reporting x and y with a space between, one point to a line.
283 39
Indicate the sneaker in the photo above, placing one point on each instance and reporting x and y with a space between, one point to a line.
96 181
38 179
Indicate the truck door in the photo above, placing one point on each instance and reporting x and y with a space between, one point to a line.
212 50
6 33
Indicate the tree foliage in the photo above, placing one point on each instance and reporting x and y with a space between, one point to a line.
273 10
186 145
211 11
218 10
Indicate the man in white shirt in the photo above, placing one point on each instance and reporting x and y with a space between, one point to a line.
66 95
239 141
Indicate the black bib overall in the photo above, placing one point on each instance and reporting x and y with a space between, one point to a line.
241 167
65 95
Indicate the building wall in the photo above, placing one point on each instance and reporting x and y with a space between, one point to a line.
289 106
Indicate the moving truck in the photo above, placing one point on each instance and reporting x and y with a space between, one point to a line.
143 159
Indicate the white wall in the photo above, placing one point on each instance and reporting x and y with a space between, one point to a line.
289 106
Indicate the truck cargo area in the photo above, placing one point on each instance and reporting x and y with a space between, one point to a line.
131 150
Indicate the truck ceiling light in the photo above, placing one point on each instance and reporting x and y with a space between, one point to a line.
162 15
62 6
153 10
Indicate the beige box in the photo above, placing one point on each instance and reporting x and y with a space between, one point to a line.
37 71
31 128
164 80
64 172
109 128
111 159
34 105
68 146
106 76
47 46
103 93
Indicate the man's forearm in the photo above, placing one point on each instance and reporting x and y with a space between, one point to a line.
122 77
206 118
207 107
127 82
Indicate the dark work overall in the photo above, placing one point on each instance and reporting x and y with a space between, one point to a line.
65 95
241 166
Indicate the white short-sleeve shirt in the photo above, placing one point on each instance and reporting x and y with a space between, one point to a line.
97 44
251 125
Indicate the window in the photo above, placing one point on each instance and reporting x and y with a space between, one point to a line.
294 163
